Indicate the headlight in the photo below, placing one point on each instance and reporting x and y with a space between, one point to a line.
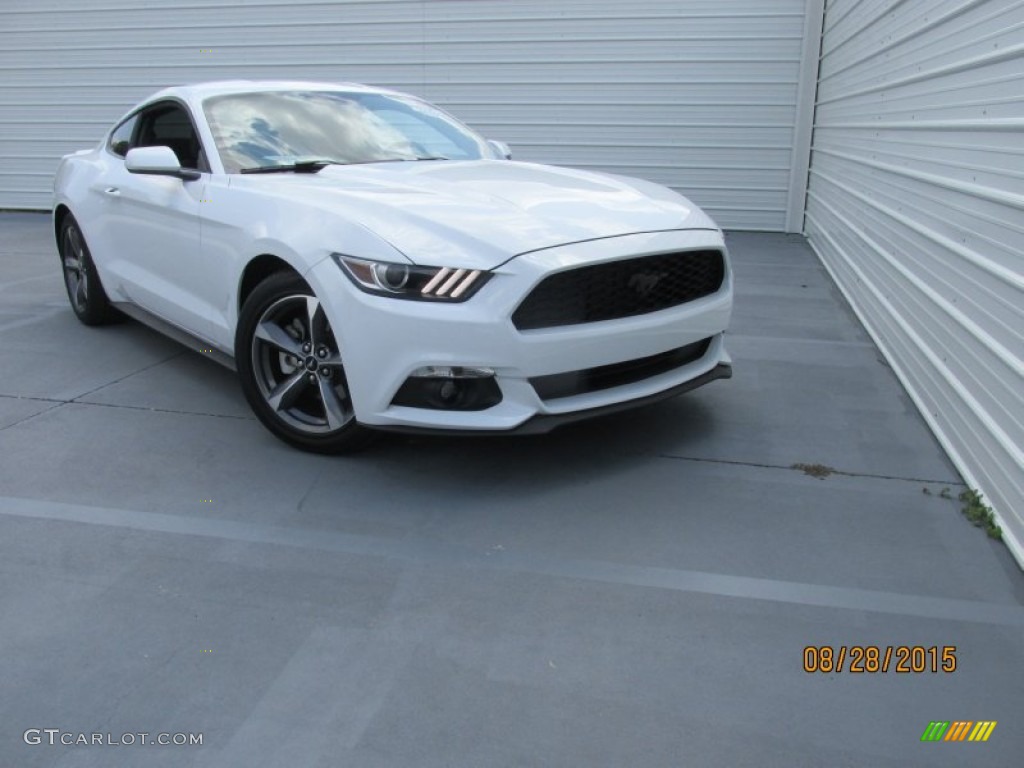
408 281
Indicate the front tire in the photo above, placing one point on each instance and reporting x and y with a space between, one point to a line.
85 291
290 368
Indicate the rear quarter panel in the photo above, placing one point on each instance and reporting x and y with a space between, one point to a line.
75 187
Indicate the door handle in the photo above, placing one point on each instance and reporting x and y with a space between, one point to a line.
112 191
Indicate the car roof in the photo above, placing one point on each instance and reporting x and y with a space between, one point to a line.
199 91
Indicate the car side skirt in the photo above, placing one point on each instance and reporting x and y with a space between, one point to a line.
180 335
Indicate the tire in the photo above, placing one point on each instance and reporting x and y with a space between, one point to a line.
85 291
290 368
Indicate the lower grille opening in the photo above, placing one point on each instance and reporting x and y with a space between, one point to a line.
558 385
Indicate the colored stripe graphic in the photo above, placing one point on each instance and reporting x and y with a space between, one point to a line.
958 731
983 730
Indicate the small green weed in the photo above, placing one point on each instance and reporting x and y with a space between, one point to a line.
980 514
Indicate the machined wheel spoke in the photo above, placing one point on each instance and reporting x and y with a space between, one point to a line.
76 242
333 360
315 320
74 286
337 412
275 335
72 263
285 393
81 291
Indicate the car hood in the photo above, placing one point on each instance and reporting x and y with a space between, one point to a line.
479 214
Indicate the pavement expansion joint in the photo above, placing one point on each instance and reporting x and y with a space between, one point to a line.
58 402
814 470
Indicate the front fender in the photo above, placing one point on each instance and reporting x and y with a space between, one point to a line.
240 225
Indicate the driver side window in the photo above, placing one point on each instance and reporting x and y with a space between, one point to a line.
168 125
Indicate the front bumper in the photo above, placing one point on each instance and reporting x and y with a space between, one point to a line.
543 423
383 340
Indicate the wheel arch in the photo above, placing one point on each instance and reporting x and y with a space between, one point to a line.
256 271
60 213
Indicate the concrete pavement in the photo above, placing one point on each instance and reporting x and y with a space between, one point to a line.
636 591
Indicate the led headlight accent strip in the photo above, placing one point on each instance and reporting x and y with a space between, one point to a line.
447 285
452 283
441 275
465 284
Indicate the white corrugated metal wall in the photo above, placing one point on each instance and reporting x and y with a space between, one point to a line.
915 205
700 95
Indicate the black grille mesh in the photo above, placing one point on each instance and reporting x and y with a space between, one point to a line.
621 289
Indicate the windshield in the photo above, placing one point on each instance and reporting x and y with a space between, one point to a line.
262 129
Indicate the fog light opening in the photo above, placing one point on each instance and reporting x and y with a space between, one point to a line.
449 388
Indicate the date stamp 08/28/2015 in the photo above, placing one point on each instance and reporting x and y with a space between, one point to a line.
871 659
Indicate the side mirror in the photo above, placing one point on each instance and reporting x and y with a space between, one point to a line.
157 161
501 149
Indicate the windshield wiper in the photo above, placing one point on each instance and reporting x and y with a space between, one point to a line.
397 159
311 165
316 164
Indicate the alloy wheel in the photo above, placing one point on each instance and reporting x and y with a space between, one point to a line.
75 268
297 366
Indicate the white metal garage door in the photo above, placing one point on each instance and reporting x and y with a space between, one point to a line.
700 95
916 205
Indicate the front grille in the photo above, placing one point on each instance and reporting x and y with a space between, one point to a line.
618 374
621 289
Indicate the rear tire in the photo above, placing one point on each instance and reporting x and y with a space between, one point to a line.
85 291
290 368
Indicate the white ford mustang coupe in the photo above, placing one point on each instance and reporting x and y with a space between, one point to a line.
366 262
